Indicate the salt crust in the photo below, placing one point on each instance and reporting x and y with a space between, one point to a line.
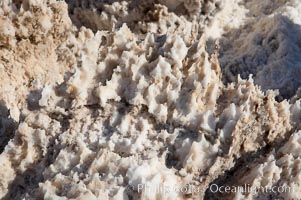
122 106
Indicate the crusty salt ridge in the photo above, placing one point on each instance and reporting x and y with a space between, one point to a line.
278 169
135 104
157 16
267 46
32 51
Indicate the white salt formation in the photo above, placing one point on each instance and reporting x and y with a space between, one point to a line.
144 99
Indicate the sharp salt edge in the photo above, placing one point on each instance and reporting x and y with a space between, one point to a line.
99 98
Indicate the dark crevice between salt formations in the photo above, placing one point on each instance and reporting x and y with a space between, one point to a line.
7 126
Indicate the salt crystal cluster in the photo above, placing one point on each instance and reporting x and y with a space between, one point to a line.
125 99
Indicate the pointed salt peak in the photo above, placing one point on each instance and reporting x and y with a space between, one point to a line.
251 80
202 42
149 38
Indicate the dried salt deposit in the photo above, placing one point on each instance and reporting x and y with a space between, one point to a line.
101 98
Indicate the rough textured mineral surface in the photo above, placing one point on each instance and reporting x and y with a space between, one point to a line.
99 98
